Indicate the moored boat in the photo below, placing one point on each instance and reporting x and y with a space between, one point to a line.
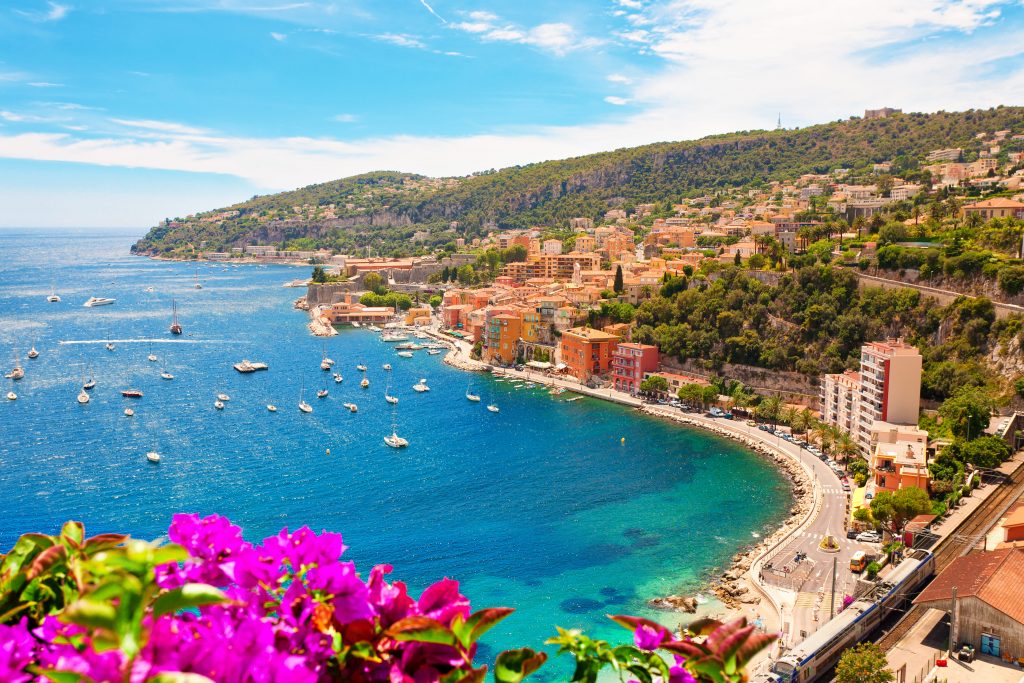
175 325
128 412
338 378
219 405
352 407
166 375
493 408
365 383
322 393
11 396
131 393
223 397
247 366
98 301
32 353
83 397
387 367
421 386
153 457
405 354
271 407
361 368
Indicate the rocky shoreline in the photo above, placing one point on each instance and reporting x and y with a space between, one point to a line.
732 586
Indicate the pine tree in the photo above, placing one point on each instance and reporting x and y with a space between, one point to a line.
618 287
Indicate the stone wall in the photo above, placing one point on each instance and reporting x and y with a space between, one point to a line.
792 387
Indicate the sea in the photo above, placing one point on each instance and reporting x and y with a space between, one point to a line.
565 511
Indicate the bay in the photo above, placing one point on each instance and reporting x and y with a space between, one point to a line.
542 507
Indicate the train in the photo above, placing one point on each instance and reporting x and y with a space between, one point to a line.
818 654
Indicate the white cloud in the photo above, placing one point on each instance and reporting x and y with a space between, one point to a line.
617 101
401 40
345 118
166 127
559 38
45 84
54 12
279 37
631 4
619 78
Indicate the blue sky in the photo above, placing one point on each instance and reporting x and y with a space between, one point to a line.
122 112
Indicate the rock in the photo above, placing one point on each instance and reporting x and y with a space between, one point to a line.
676 602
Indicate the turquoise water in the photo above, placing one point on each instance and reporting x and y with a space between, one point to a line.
539 507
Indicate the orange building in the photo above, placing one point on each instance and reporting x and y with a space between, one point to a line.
587 352
502 337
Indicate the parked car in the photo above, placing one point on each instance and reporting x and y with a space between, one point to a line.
852 533
751 423
869 537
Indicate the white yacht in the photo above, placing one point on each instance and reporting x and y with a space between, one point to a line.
166 375
151 358
493 408
11 396
421 386
128 412
83 397
271 407
219 405
361 368
98 301
434 352
365 383
321 393
223 397
393 400
393 337
153 457
405 354
32 353
395 441
352 407
338 378
387 367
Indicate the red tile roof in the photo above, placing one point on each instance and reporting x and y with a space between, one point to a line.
996 578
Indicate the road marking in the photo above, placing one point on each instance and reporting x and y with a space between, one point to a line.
806 600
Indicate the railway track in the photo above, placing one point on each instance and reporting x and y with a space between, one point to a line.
964 537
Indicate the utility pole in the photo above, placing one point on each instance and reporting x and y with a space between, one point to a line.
952 623
832 602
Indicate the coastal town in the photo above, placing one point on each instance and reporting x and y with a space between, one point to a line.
898 500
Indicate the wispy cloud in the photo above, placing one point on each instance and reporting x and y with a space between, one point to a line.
617 101
230 6
53 12
559 38
401 40
619 78
431 10
168 127
345 118
279 37
45 84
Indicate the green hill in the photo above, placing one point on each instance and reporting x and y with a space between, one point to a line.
387 209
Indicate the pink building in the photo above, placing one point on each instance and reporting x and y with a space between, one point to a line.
629 364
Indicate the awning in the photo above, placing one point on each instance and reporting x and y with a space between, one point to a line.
540 365
560 366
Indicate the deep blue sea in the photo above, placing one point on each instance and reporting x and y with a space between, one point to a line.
540 507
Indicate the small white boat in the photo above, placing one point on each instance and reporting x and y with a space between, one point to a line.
421 386
149 289
110 346
153 456
365 383
151 358
166 375
271 407
247 366
338 378
15 374
472 397
197 285
32 353
53 298
361 368
223 397
394 338
574 398
387 367
11 396
395 441
434 352
352 407
97 301
393 400
83 397
355 324
305 407
373 328
128 412
322 393
493 408
88 386
325 366
219 405
405 354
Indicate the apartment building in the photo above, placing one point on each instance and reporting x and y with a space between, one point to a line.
887 389
587 352
899 457
630 363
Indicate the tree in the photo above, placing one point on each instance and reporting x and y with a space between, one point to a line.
691 393
967 412
895 509
374 282
769 409
466 275
319 274
655 384
847 447
986 452
864 663
618 286
435 301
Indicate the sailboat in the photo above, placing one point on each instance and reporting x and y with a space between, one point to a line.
11 396
152 356
421 386
365 383
32 353
471 396
326 363
219 405
90 383
303 406
393 400
128 412
53 298
394 440
109 345
271 407
17 372
361 368
166 375
83 397
387 367
338 378
493 408
197 285
175 325
322 393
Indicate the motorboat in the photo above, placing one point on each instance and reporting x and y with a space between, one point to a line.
325 366
271 407
53 298
153 457
15 374
361 368
493 408
110 346
434 352
338 378
83 397
88 386
305 407
573 399
247 366
131 393
387 367
175 325
352 407
421 386
128 412
321 393
472 397
32 353
395 441
405 354
223 397
393 337
94 301
219 405
404 346
11 396
373 328
393 400
151 358
355 324
365 383
166 375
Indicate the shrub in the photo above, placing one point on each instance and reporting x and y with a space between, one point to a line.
872 570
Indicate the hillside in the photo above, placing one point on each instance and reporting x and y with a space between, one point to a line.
386 209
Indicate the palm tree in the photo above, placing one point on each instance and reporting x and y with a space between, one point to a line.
788 416
847 447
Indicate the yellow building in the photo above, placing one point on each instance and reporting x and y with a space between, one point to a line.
418 315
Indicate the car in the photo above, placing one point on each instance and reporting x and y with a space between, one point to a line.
852 533
846 487
751 423
869 537
868 496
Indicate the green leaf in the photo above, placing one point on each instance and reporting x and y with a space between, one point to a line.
46 560
103 542
189 595
702 627
421 629
513 666
91 614
73 533
641 673
171 552
481 622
